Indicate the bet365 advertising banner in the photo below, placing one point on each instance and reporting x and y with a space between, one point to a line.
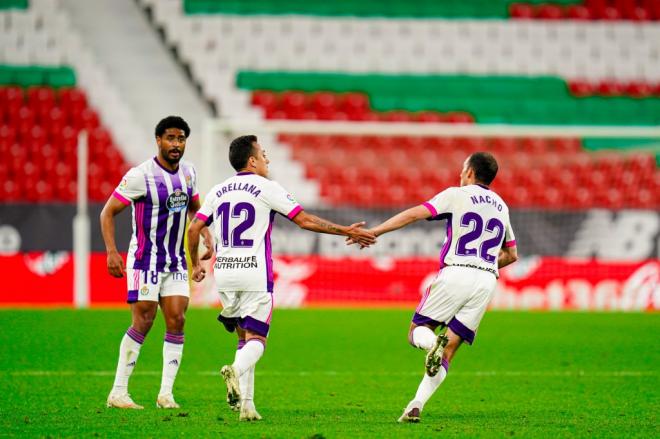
590 260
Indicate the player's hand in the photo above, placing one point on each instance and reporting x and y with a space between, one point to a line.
115 264
359 235
199 273
208 243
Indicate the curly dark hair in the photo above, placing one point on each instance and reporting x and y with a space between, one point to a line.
172 122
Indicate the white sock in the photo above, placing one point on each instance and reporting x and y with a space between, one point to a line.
248 396
423 337
129 350
427 387
172 353
248 356
243 379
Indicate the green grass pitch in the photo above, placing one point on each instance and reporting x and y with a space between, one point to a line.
338 374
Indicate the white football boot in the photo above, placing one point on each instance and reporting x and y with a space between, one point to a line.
249 412
233 390
122 401
166 402
434 356
411 415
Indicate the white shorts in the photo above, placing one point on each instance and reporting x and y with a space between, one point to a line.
458 298
250 310
152 285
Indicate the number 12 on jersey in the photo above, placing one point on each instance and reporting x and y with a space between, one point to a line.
224 211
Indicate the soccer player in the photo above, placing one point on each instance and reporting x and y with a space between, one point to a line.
242 210
162 192
479 241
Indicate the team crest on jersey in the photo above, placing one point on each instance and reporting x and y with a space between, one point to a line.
144 290
188 180
177 201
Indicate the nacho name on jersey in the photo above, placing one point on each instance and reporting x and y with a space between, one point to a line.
486 199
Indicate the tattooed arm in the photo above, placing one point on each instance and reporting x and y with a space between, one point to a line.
355 231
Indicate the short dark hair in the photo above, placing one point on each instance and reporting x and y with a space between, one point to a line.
484 166
172 122
240 150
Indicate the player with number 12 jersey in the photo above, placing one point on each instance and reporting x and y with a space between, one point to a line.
241 211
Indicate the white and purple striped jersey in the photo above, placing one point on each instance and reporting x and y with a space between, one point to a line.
160 200
240 212
478 226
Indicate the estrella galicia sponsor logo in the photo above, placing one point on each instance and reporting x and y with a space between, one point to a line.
177 201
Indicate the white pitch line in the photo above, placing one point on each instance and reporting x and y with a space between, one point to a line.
479 373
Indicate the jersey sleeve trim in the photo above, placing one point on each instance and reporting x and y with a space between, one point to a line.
295 211
207 219
121 198
195 197
431 209
510 244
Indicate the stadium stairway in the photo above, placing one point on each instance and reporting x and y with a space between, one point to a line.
40 33
152 84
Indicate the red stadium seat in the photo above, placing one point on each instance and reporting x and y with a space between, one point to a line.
639 89
521 11
11 98
10 191
549 12
430 117
578 12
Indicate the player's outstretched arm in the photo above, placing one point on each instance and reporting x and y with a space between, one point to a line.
354 232
114 260
402 219
508 255
194 231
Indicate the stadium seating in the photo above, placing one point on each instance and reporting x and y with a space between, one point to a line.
549 173
564 68
41 114
549 169
516 100
636 10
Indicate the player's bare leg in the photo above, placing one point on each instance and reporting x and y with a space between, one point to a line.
430 384
246 358
174 311
142 316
